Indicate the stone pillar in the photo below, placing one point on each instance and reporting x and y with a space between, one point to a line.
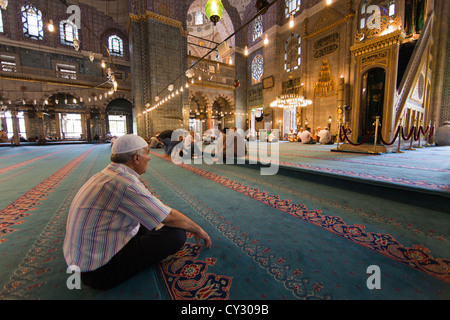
88 125
103 125
15 123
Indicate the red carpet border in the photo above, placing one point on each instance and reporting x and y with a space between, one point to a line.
21 207
360 212
417 257
31 273
292 280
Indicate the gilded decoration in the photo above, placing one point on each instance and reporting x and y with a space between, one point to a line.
378 43
163 19
326 45
387 25
325 86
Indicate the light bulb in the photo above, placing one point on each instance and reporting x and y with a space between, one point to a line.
51 27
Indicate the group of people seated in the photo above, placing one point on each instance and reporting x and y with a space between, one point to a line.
322 136
179 144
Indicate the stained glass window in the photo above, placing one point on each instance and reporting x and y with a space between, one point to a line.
257 28
32 22
292 6
292 52
115 45
257 68
68 32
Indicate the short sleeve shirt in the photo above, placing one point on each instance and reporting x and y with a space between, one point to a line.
106 213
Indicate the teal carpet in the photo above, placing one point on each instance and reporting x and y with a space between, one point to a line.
276 237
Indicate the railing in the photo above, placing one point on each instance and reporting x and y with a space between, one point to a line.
212 72
406 84
57 77
413 135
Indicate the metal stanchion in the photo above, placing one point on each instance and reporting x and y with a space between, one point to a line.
338 135
377 123
418 135
428 137
400 128
412 137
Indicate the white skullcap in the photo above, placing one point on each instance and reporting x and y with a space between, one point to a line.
128 143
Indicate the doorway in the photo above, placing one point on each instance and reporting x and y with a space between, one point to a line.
372 100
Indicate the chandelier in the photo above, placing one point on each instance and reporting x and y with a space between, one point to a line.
290 99
3 4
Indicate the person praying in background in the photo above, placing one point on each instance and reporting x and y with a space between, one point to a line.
325 136
165 138
116 227
443 134
306 136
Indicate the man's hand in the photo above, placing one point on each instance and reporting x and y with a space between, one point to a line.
178 220
202 235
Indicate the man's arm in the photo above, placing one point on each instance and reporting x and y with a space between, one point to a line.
178 220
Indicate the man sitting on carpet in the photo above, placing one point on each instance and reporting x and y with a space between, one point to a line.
325 136
113 227
306 137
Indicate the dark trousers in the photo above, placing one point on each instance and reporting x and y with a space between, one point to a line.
145 249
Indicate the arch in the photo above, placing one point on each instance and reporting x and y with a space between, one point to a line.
119 107
65 100
202 101
205 33
104 38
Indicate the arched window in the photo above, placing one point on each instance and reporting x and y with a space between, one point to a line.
257 28
198 18
1 22
257 68
372 11
115 45
68 32
292 52
32 22
292 6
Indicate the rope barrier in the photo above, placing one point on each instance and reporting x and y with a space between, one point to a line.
409 135
414 135
356 144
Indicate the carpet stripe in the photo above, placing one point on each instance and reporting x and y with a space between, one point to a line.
24 163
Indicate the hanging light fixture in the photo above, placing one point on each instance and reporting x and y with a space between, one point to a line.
214 10
291 21
4 4
50 26
290 98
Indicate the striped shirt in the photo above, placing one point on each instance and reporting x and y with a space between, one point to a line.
106 213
